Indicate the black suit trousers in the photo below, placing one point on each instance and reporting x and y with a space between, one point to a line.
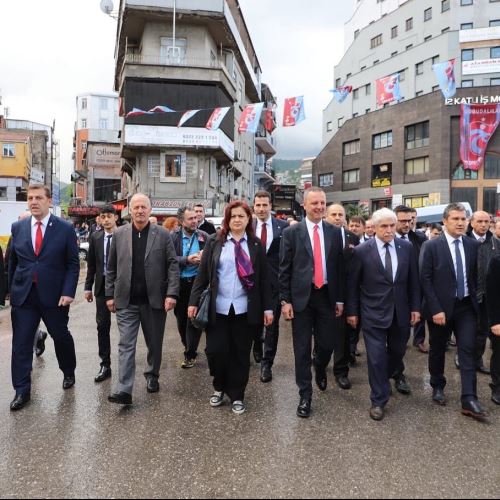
318 320
103 319
495 362
483 331
463 324
271 338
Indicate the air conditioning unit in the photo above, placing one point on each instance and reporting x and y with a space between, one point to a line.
237 155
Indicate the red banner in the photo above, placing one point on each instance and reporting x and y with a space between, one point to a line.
388 90
478 123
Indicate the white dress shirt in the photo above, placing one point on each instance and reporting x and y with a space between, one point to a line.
394 255
402 237
481 239
269 227
105 247
310 229
451 245
34 228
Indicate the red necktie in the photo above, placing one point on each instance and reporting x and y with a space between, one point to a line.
319 279
38 239
263 236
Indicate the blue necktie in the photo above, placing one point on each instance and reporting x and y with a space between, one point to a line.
460 272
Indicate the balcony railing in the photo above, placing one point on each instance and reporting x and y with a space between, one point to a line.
183 62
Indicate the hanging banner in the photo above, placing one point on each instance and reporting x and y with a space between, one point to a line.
162 109
187 116
270 120
445 74
478 123
250 118
216 118
294 111
341 93
388 90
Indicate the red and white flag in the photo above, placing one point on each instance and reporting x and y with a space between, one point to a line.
250 118
187 116
216 118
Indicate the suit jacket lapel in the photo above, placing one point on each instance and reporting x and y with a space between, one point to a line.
48 232
328 236
447 252
306 239
376 256
152 233
252 248
26 229
128 238
401 258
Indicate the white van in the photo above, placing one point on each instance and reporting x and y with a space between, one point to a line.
435 213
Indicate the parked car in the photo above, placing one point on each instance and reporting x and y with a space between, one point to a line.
435 213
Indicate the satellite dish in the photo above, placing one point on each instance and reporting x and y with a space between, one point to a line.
107 6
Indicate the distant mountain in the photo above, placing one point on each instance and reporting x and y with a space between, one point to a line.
280 166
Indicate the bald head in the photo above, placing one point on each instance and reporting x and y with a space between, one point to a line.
480 223
335 214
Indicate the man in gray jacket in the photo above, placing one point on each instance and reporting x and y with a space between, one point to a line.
142 285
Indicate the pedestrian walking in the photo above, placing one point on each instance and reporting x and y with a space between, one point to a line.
204 224
3 279
493 302
142 285
234 266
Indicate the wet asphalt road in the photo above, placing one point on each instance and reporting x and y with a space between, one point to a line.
75 444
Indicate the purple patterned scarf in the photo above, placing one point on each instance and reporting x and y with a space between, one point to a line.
244 265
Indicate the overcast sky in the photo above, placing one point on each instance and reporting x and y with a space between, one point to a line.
53 50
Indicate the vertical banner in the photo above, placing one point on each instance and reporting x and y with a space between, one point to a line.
294 111
187 116
270 120
445 74
478 123
388 90
250 118
341 93
216 118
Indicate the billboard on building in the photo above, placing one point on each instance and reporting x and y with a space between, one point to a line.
480 66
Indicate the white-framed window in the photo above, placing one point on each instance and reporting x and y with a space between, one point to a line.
84 123
84 103
8 150
419 68
329 126
383 140
103 103
170 54
325 180
428 14
103 124
154 166
173 166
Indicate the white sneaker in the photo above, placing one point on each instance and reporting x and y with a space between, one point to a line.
239 407
217 399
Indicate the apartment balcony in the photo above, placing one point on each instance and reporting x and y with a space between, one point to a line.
265 142
264 172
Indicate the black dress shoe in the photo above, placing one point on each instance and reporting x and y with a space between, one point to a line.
69 382
402 386
320 377
482 369
258 352
376 413
120 398
103 374
474 409
266 374
19 402
457 363
343 382
304 408
495 397
40 345
438 396
152 385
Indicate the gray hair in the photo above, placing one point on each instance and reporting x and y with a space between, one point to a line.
140 195
383 213
453 207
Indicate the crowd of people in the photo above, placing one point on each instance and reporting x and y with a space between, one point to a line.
332 278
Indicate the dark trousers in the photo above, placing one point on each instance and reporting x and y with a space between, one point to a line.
354 338
190 336
343 353
483 331
271 338
318 320
385 350
495 362
419 333
103 319
229 343
463 324
25 321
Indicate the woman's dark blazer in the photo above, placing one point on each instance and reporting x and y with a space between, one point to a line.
259 297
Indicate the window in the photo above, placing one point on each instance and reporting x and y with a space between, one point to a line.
428 14
351 176
467 54
418 201
84 123
436 87
459 195
367 110
464 175
173 167
325 180
84 103
383 140
494 23
495 52
402 75
445 30
354 115
419 68
382 175
395 53
467 83
355 94
348 76
492 167
329 126
409 24
408 47
427 38
352 147
154 166
376 62
103 124
376 41
107 190
419 93
368 89
491 200
338 82
417 166
435 59
445 5
356 33
103 104
9 150
394 32
466 26
171 55
417 136
340 121
466 2
495 81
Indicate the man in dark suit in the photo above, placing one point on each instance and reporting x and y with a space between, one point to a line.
493 302
203 224
142 285
312 284
405 232
43 276
346 350
448 274
270 232
3 279
384 290
97 260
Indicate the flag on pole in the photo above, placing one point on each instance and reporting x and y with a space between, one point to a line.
388 89
445 74
341 93
187 116
216 118
250 118
478 123
294 111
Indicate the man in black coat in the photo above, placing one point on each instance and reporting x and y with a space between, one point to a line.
270 232
203 224
3 279
384 290
448 275
97 260
493 301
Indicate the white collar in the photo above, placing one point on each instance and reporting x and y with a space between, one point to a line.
269 221
311 225
381 244
479 237
44 221
451 239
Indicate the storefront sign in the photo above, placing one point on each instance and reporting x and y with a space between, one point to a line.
102 155
480 66
388 192
382 182
180 203
397 200
482 99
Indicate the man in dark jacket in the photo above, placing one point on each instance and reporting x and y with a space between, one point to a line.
493 301
3 279
203 224
189 243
